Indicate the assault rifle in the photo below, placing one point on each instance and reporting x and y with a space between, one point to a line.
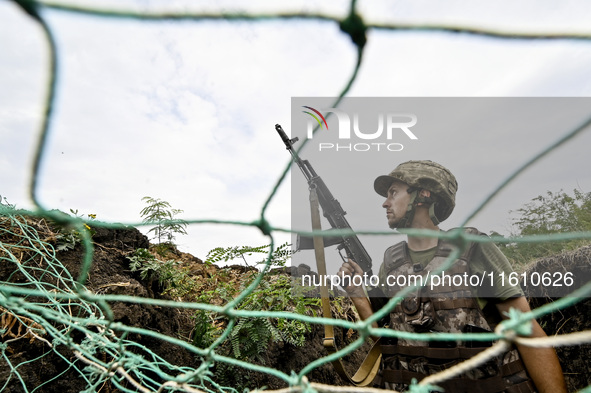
334 213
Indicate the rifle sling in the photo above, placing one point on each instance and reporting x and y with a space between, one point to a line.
369 368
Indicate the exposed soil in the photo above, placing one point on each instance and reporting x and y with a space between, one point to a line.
111 274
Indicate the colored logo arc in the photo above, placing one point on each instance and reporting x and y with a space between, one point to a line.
314 115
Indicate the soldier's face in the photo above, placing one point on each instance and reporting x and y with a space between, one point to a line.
396 203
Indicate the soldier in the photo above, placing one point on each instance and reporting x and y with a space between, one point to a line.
421 194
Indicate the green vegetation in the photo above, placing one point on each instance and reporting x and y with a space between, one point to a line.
170 274
250 337
68 237
162 214
555 212
278 259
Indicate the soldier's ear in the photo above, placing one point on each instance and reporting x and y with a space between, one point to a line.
425 193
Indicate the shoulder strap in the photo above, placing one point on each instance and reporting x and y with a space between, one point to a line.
445 248
395 256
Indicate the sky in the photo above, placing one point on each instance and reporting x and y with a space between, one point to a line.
185 111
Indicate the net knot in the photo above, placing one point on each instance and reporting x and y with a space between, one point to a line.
414 387
516 323
264 226
353 25
306 387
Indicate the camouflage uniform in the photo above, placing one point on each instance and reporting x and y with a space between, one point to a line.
445 308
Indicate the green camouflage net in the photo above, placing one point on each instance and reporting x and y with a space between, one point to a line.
42 302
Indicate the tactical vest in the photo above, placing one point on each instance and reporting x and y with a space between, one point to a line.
443 308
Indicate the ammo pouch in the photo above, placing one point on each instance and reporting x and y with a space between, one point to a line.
419 312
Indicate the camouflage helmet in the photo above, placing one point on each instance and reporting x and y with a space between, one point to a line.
426 175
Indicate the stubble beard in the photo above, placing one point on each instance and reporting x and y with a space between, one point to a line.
393 224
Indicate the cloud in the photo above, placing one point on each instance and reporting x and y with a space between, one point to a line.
186 111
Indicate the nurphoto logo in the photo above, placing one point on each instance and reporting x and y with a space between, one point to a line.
318 114
387 126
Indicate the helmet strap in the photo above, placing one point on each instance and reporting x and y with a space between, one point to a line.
406 220
432 214
415 199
